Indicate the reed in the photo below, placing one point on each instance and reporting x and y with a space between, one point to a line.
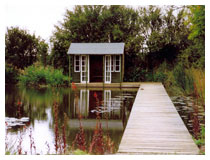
19 103
55 106
64 133
199 85
32 144
48 147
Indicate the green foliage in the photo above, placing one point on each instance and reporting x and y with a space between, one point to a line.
201 140
197 18
166 35
11 74
21 48
43 52
159 77
79 152
97 24
183 79
194 53
36 75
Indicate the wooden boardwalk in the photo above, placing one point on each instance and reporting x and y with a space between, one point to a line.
154 125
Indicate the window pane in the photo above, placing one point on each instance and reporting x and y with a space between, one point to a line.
117 58
112 63
117 68
77 58
77 63
117 63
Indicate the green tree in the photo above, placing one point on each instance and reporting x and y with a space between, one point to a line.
21 48
43 52
195 53
166 34
151 35
97 24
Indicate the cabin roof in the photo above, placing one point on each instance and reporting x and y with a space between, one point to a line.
96 48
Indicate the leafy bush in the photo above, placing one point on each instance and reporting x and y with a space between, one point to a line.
184 78
199 83
159 77
11 74
36 75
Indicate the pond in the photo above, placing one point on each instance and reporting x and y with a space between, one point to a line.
191 112
58 120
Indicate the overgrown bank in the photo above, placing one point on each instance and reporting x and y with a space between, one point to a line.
37 75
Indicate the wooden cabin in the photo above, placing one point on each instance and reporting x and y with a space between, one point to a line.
96 62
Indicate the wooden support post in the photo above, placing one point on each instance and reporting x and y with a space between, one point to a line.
103 70
69 69
123 66
120 71
86 69
69 100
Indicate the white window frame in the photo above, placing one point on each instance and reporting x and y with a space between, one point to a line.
75 63
113 63
84 104
81 71
115 68
106 69
108 100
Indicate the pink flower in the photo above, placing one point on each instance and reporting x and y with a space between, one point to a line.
19 103
95 95
74 87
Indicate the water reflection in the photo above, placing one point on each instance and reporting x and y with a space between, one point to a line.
191 112
113 106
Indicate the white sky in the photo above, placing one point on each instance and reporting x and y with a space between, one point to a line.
40 16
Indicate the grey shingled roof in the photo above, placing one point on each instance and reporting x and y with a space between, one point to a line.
96 48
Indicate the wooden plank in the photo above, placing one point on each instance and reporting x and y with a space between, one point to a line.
106 85
154 125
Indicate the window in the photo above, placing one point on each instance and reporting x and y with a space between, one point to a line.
84 69
77 63
115 63
107 69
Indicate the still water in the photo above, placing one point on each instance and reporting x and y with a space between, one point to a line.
39 120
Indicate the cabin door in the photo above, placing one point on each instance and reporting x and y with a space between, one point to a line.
96 68
108 69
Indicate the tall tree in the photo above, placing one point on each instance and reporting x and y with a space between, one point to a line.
97 24
43 52
197 35
166 34
151 34
21 48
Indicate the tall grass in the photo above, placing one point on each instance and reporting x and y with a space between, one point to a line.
199 84
181 80
37 75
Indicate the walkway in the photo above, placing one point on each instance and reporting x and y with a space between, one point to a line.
154 125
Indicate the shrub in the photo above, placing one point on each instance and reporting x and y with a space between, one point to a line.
199 83
11 74
183 78
37 75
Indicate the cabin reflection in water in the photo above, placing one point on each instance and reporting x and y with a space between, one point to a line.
110 105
